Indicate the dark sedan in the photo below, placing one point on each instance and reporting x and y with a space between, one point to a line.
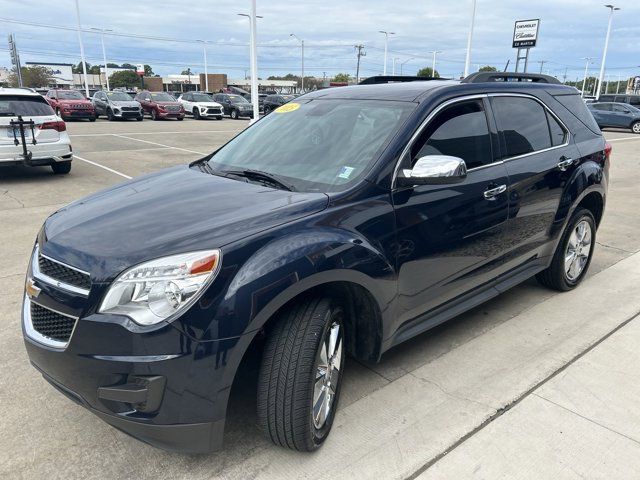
616 115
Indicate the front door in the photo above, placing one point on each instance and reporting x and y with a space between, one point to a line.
451 237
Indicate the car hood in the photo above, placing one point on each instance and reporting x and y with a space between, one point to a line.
124 103
208 104
172 211
166 104
67 101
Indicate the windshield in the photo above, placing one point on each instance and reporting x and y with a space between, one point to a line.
70 95
162 97
237 99
288 98
12 105
317 145
202 97
119 96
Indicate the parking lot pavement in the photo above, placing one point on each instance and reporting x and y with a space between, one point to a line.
442 391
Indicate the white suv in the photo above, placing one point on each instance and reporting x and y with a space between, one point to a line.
46 141
201 105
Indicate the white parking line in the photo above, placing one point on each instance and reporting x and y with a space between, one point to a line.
159 144
622 139
102 166
151 133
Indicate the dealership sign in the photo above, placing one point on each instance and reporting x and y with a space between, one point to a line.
140 69
525 33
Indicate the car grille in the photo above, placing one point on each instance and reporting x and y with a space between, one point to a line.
80 106
64 274
51 324
129 109
172 108
214 110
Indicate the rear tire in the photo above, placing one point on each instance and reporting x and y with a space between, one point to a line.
635 127
571 260
61 168
299 382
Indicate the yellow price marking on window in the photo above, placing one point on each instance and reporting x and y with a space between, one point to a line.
287 107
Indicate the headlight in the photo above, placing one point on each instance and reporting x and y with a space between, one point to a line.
153 291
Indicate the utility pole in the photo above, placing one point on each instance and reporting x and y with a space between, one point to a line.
542 62
15 58
469 38
564 77
360 53
393 70
301 78
104 54
253 58
402 64
206 69
606 46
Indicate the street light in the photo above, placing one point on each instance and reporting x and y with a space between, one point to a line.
468 57
586 69
393 71
433 65
84 63
206 70
407 60
386 41
606 46
104 54
302 58
253 54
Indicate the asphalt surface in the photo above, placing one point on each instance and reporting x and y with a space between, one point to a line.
515 388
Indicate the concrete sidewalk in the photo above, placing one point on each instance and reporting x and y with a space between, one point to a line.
582 423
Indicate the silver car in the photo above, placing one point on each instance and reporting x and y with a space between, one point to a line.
31 133
116 105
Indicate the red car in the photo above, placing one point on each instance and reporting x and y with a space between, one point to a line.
69 104
160 105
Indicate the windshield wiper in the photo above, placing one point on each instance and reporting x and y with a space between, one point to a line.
260 175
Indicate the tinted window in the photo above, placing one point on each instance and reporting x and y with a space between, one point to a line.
70 95
574 104
621 108
30 106
459 131
118 96
558 134
523 123
601 106
200 97
162 97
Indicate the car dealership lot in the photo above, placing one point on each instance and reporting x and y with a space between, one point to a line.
396 419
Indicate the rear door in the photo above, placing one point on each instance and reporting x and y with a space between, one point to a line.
540 156
451 238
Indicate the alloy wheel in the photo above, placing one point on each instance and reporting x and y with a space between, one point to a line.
328 370
578 250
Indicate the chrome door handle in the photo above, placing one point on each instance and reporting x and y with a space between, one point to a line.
492 193
565 163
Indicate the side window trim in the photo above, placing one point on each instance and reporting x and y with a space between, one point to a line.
567 138
416 135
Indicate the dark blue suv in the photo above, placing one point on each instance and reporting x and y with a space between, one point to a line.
341 224
616 115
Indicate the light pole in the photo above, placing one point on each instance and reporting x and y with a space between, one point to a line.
206 70
433 65
104 53
407 60
473 19
253 54
302 59
586 69
84 63
393 70
606 46
386 41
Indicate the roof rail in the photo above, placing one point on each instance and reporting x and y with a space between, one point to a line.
483 77
32 90
378 79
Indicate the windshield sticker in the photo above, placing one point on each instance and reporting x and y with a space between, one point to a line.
287 107
345 172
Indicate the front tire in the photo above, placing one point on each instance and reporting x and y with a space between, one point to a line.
61 168
154 115
110 116
573 255
635 128
196 114
234 114
301 373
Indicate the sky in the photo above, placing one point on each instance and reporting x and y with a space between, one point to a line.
569 31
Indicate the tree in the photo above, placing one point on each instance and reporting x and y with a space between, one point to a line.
129 66
428 72
78 68
124 78
94 70
112 65
342 77
488 68
148 71
187 72
34 77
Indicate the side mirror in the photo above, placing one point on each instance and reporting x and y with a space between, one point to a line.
434 170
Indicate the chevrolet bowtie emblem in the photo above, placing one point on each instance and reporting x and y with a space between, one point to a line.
31 289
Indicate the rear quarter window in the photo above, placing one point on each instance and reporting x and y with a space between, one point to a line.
578 109
24 105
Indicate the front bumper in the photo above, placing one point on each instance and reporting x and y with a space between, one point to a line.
79 113
162 114
159 386
127 113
